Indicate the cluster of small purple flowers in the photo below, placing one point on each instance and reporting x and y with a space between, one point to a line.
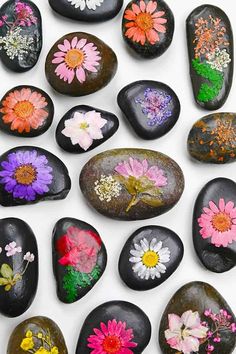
221 321
23 16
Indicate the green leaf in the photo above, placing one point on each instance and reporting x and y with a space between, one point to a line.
3 281
96 272
154 202
17 277
6 271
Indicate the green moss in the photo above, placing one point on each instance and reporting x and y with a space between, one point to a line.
208 92
73 280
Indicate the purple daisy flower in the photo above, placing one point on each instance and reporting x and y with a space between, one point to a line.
26 174
155 106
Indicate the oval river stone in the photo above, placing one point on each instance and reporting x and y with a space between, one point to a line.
87 10
115 327
213 138
214 225
200 309
79 64
18 267
30 174
211 55
37 335
149 257
79 258
83 128
26 111
131 184
20 35
148 27
152 108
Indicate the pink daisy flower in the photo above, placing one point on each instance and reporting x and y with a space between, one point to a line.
219 223
75 58
112 338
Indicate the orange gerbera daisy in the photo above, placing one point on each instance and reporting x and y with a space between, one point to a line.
145 22
24 109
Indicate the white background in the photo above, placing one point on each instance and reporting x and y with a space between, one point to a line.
172 69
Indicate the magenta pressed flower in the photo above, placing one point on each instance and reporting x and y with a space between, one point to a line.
75 58
26 174
112 337
218 222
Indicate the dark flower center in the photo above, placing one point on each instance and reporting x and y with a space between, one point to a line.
111 344
25 174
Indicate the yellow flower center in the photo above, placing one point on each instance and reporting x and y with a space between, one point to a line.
24 109
25 174
144 21
221 222
111 344
150 259
84 125
74 58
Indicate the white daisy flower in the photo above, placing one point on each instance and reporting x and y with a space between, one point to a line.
148 258
82 4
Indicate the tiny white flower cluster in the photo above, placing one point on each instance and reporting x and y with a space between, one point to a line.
107 188
219 59
15 44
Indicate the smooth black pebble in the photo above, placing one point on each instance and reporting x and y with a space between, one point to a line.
18 267
75 131
152 108
149 257
20 35
123 325
214 228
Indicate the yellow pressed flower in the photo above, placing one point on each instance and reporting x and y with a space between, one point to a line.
40 335
54 350
29 334
41 350
27 344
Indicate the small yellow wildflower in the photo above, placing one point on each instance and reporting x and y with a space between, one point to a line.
29 334
27 344
40 335
41 350
54 350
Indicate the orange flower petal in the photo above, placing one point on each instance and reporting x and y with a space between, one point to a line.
151 7
8 118
152 36
159 28
25 94
142 6
129 15
160 20
158 14
136 9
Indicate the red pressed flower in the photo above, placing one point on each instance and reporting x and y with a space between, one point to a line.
79 249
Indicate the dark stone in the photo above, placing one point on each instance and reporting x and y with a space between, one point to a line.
26 111
88 11
18 267
212 139
20 35
88 68
211 55
199 300
136 328
152 108
40 334
75 278
29 174
138 36
107 120
160 255
131 184
214 244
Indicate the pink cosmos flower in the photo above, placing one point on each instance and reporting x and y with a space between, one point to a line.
75 58
83 128
138 169
185 332
12 249
112 338
219 223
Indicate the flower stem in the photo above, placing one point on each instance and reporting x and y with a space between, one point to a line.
131 203
25 269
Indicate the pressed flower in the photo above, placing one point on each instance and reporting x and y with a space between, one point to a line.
79 248
15 44
155 105
24 110
29 257
185 332
75 59
27 344
112 337
12 249
83 128
148 258
82 4
26 174
145 22
107 188
219 59
141 181
218 222
24 14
